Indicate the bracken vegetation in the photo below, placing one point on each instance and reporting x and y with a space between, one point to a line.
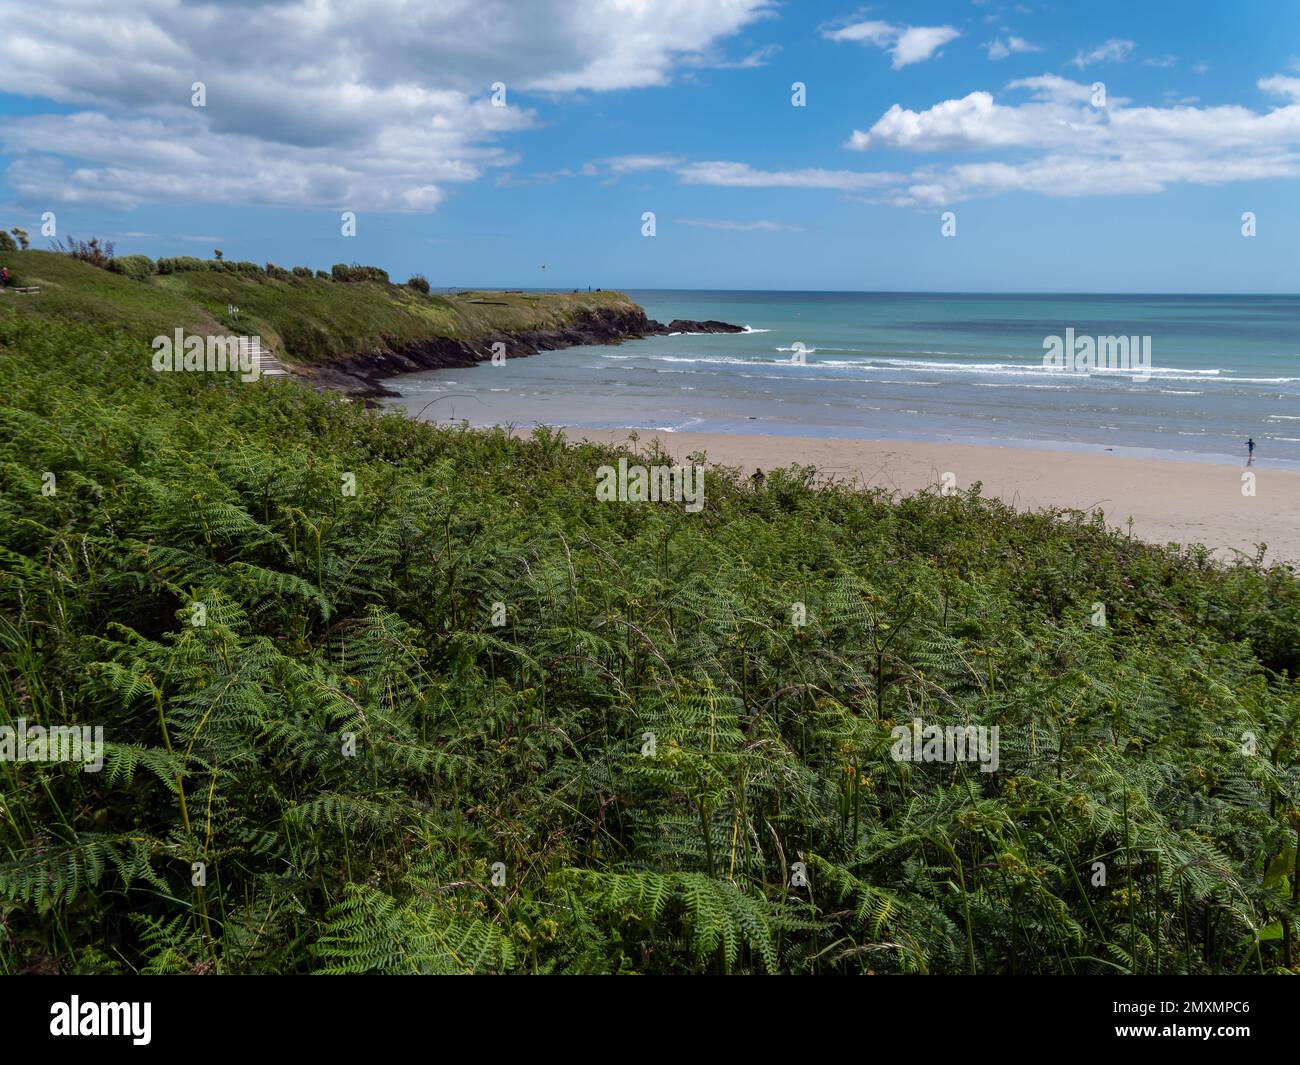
347 745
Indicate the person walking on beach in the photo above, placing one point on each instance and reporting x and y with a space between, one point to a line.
1250 451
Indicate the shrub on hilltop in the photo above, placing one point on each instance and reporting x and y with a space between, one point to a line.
136 267
357 273
93 251
180 264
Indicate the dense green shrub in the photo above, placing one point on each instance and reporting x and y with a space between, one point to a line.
419 282
180 263
7 242
302 271
357 273
136 267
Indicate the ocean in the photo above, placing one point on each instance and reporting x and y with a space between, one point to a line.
961 368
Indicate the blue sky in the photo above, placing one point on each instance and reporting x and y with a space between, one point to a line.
613 108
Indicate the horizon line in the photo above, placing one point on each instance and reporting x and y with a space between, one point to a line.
560 289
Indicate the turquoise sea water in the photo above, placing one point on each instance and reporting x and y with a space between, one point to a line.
900 366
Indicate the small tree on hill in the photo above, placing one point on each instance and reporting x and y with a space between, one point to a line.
88 251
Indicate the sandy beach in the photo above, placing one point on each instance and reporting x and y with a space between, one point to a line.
1168 501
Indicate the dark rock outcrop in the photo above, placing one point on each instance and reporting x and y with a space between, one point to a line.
685 325
358 375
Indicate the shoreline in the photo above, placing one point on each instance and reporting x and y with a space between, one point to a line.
1168 500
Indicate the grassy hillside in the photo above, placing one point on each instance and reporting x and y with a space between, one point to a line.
323 754
306 319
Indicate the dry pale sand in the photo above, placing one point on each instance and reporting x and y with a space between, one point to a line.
1168 501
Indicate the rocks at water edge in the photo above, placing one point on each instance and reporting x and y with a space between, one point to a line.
685 325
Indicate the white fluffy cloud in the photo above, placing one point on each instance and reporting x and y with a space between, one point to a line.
905 44
1281 85
1000 49
1114 50
374 104
1053 139
1087 150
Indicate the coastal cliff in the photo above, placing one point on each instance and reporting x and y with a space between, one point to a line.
340 335
358 375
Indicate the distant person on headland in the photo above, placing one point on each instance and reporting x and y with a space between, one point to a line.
1250 451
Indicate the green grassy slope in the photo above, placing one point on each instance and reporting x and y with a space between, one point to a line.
307 319
305 697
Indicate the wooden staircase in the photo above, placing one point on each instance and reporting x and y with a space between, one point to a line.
266 362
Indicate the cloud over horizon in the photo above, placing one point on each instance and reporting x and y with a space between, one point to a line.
315 105
318 106
1088 150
